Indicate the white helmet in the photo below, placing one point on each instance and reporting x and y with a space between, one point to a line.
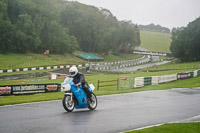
73 71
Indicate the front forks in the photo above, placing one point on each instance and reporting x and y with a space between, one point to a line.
71 95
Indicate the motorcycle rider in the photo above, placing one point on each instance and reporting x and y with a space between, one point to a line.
79 79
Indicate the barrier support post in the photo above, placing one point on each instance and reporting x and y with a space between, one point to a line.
98 85
117 83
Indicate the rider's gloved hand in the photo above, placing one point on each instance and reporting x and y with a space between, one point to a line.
78 84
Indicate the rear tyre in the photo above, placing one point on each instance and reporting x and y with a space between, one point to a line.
68 104
92 103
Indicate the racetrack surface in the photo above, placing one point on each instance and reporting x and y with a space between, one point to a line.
138 67
114 113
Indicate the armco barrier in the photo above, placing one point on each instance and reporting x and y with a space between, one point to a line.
117 65
151 53
147 80
142 81
183 75
29 89
39 68
154 80
195 73
198 73
167 78
191 74
139 82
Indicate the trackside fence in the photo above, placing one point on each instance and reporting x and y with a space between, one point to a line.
125 82
108 83
121 82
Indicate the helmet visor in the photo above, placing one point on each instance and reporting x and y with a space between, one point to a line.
72 73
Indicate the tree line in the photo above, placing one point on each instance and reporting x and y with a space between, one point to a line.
63 27
154 28
185 43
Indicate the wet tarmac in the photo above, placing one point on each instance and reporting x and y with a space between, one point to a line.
138 67
115 113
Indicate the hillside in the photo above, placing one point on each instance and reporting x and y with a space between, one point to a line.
62 27
13 60
155 41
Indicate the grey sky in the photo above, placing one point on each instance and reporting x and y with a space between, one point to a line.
168 13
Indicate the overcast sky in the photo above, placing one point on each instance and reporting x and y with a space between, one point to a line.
168 13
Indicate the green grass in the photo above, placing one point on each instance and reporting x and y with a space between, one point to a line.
13 60
171 128
173 67
155 41
111 58
27 72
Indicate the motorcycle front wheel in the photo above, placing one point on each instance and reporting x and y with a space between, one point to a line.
92 104
68 104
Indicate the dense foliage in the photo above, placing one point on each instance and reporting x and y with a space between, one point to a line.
155 28
185 43
62 27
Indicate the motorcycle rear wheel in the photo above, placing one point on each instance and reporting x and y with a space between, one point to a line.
92 104
67 103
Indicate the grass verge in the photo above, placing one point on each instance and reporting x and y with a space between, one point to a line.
171 128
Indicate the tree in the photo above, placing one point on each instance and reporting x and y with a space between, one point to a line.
129 37
63 27
26 38
56 39
6 30
155 28
185 43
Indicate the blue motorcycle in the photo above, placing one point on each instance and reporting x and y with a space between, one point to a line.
75 96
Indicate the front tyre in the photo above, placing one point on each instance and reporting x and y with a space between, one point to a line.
68 104
92 104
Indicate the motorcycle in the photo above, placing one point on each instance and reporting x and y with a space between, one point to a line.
75 96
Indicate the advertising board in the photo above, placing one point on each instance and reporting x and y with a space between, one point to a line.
167 78
183 75
28 89
52 87
5 90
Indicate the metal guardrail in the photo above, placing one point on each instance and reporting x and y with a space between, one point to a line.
38 68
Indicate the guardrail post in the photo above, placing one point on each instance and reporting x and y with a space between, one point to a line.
117 83
98 85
